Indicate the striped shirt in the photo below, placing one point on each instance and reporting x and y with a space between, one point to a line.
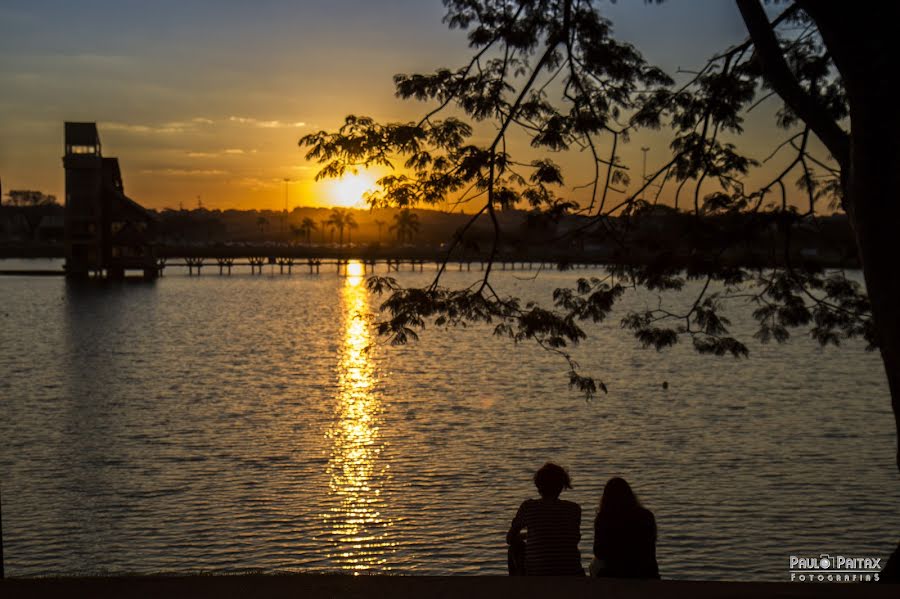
554 529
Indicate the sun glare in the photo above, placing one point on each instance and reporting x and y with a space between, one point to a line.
348 191
354 269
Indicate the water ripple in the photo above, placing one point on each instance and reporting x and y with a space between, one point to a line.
225 424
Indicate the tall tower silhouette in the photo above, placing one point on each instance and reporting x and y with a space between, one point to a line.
83 162
106 233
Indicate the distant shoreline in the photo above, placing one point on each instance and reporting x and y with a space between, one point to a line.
598 256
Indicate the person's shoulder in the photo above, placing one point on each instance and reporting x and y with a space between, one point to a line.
528 504
646 515
571 505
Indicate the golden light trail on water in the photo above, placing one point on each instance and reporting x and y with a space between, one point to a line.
357 473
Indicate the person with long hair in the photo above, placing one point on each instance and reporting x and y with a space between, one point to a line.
624 535
553 528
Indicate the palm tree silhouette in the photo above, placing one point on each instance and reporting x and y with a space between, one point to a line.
262 222
307 226
350 223
380 224
406 224
341 219
296 232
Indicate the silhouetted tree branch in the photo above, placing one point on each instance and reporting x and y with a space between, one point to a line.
552 71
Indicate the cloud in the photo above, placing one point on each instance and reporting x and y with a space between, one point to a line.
165 128
243 120
168 128
27 77
97 60
225 152
185 172
256 183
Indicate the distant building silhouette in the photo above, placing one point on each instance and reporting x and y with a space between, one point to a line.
106 233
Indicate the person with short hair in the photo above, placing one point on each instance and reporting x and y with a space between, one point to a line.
624 535
553 525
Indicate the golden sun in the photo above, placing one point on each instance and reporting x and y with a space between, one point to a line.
348 191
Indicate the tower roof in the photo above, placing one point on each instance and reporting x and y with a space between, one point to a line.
82 134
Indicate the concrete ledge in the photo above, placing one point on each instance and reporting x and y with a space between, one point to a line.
436 587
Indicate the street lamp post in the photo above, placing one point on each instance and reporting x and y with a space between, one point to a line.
284 214
644 175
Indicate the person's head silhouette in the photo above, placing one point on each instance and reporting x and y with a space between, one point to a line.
551 479
618 497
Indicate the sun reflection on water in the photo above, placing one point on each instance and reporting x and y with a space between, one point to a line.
355 523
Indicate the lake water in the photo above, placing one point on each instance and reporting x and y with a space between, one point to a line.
228 423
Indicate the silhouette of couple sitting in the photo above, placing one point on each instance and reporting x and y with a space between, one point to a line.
624 532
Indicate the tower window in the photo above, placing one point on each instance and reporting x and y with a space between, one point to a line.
92 150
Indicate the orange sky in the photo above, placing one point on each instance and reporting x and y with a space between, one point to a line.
207 100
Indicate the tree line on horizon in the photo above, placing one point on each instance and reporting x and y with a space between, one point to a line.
658 227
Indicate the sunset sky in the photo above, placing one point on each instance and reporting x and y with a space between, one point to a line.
209 97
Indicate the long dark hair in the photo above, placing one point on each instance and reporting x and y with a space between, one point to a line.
618 499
